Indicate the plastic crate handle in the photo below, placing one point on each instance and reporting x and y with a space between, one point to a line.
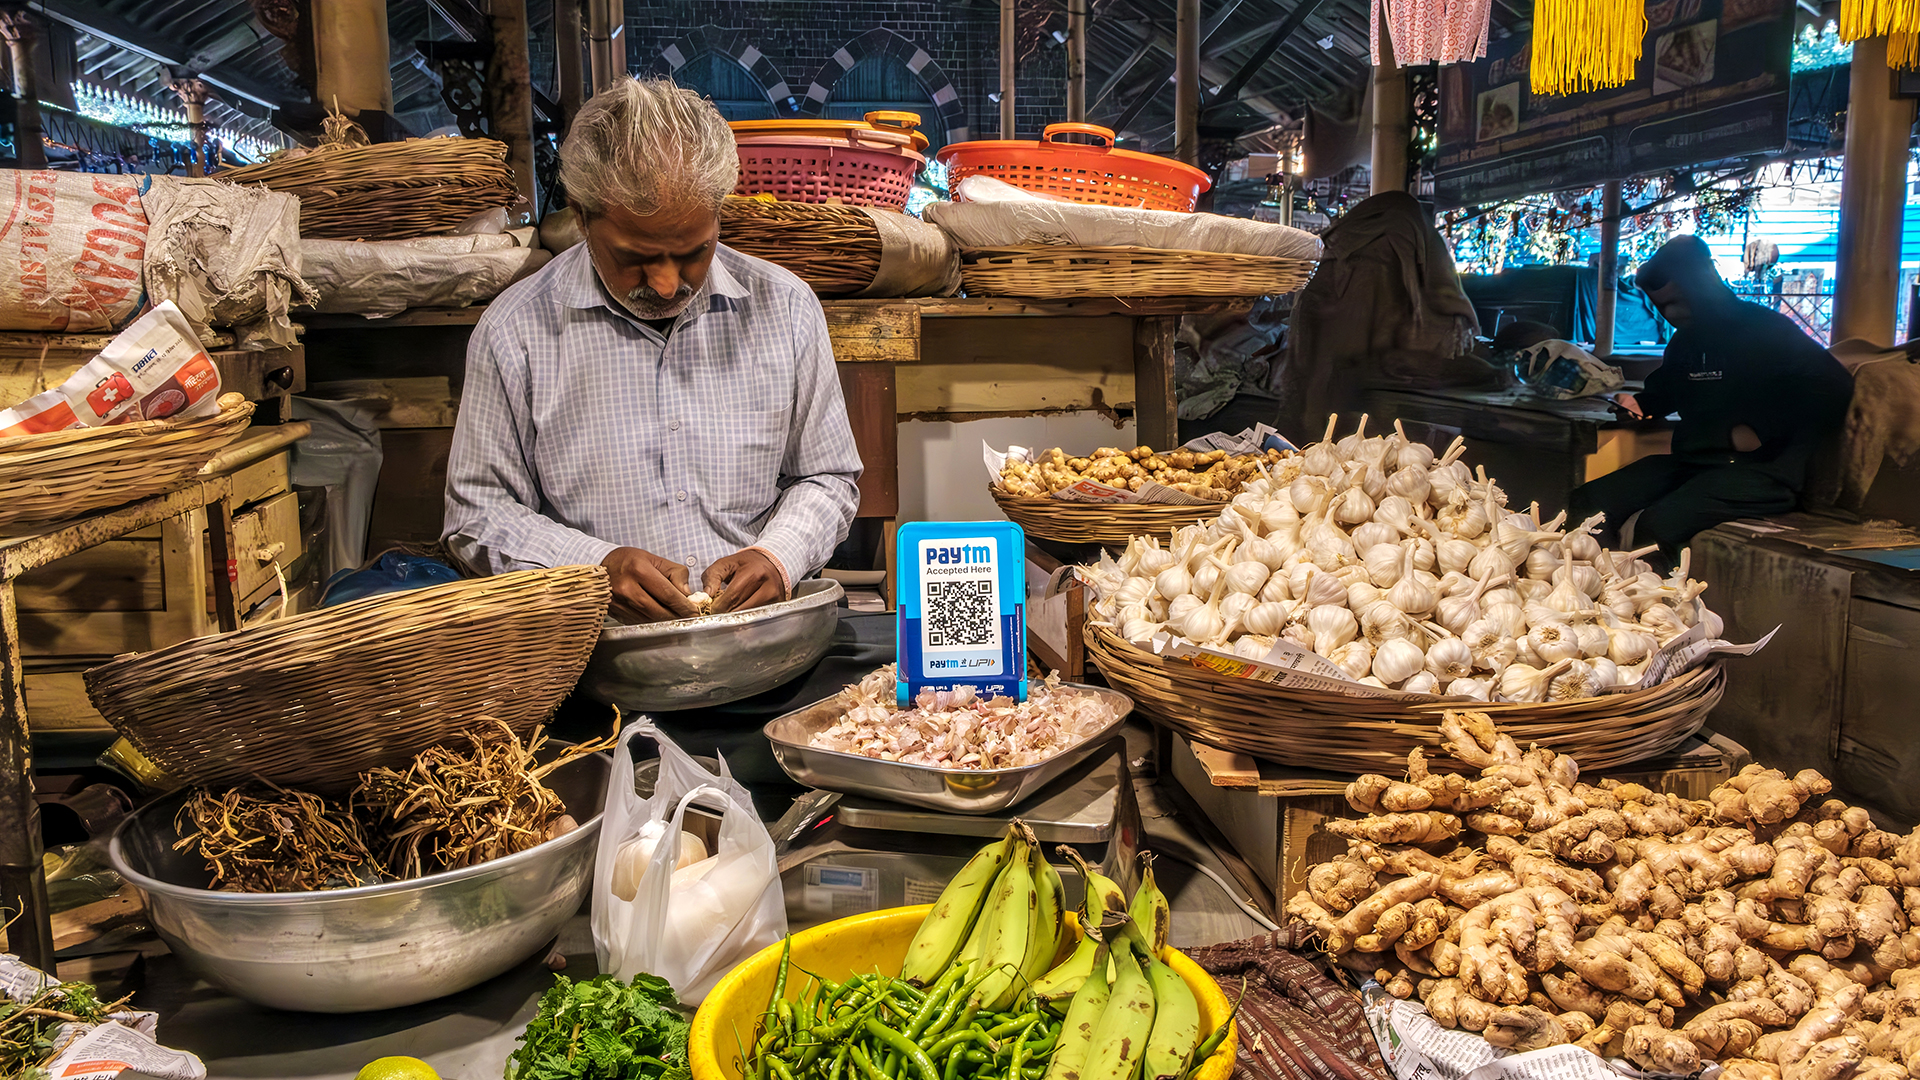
1105 134
893 118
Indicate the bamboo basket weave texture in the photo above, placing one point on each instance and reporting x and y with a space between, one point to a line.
313 700
63 474
834 249
1049 272
1111 525
389 191
1316 730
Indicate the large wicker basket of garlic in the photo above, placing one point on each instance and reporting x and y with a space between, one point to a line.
1407 580
1056 496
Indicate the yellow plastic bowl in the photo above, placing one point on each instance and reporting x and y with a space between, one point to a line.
877 942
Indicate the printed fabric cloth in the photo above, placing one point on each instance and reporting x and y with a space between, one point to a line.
1296 1022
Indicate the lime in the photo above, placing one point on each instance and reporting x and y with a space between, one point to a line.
397 1068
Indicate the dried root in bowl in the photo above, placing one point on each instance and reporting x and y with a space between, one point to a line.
261 839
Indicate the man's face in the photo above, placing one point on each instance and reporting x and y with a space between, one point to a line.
653 264
1672 301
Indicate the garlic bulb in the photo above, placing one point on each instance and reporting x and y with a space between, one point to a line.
1252 647
1173 582
1473 689
1398 660
1716 626
1396 511
1135 590
1584 547
1523 683
1267 618
1592 639
1371 534
1605 673
1276 589
1279 513
1586 579
1153 560
1453 583
1410 483
1370 480
1157 608
1509 618
1299 635
1629 645
1362 593
1541 563
1499 594
1422 682
1492 561
1258 550
1629 675
1662 623
1310 494
636 855
1204 624
1552 641
1352 574
1353 506
1453 555
1235 605
1385 563
1355 658
1140 629
1181 606
1450 658
1573 683
1410 594
1531 590
1463 517
1374 681
1381 622
1411 455
1319 589
1349 447
1456 612
1206 577
1322 457
1332 627
1246 577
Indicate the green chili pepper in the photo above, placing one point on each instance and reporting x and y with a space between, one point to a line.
867 1068
907 1048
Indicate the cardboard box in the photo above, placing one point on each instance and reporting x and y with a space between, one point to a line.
1271 814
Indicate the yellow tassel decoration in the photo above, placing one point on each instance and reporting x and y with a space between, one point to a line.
1903 52
1873 18
1582 45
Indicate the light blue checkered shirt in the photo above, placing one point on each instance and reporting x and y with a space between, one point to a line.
582 429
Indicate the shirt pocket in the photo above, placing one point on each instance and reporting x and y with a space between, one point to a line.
739 466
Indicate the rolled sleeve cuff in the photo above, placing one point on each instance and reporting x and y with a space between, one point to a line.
780 564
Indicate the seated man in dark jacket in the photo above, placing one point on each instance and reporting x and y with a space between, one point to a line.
1756 398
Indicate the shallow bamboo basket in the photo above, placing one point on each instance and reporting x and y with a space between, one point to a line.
389 191
58 475
834 249
1340 733
1111 525
313 700
1055 272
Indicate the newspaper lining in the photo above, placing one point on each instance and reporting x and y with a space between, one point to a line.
1415 1047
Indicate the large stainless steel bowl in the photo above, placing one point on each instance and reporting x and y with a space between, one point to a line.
372 947
694 663
961 791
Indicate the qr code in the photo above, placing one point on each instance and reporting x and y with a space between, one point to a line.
960 613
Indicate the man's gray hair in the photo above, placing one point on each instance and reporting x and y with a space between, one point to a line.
648 145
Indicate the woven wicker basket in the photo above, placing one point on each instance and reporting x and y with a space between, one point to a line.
63 474
1047 272
1110 525
315 699
389 191
834 249
1314 730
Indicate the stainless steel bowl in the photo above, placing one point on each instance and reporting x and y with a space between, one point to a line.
372 947
961 791
693 663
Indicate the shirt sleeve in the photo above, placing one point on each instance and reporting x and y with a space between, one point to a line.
820 469
1657 399
493 521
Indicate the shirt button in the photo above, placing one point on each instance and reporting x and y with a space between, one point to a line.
673 425
689 560
681 495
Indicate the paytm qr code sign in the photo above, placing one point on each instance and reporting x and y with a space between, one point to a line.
962 611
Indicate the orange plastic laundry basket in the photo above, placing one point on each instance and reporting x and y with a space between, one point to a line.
860 163
1104 174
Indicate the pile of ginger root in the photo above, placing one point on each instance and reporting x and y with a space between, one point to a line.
1763 928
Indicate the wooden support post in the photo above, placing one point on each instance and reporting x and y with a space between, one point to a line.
567 53
1156 405
1076 61
606 41
1609 270
350 56
510 101
21 28
1186 81
1007 73
23 880
1391 122
1873 196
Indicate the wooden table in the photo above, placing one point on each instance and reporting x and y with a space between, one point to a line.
23 880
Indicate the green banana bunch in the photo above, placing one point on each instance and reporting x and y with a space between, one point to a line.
946 929
1150 910
1176 1024
1049 920
1120 1037
1009 929
1083 1015
1103 895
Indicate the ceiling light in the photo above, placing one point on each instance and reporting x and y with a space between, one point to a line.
1325 42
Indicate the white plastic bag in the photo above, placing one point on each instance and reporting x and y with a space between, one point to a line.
687 928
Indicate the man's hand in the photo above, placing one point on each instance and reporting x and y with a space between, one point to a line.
744 579
646 586
1745 439
1631 406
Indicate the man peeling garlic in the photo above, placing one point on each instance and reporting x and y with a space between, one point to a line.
651 400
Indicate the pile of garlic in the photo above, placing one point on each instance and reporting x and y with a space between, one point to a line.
1408 573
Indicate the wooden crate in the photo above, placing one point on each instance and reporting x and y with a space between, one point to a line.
1271 815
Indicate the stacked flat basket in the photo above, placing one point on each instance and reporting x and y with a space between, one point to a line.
1351 734
1048 272
58 475
1111 525
314 700
389 191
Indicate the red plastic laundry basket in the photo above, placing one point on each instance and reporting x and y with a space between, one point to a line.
1103 175
860 163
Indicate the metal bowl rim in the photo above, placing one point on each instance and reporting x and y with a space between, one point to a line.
590 827
807 596
767 730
